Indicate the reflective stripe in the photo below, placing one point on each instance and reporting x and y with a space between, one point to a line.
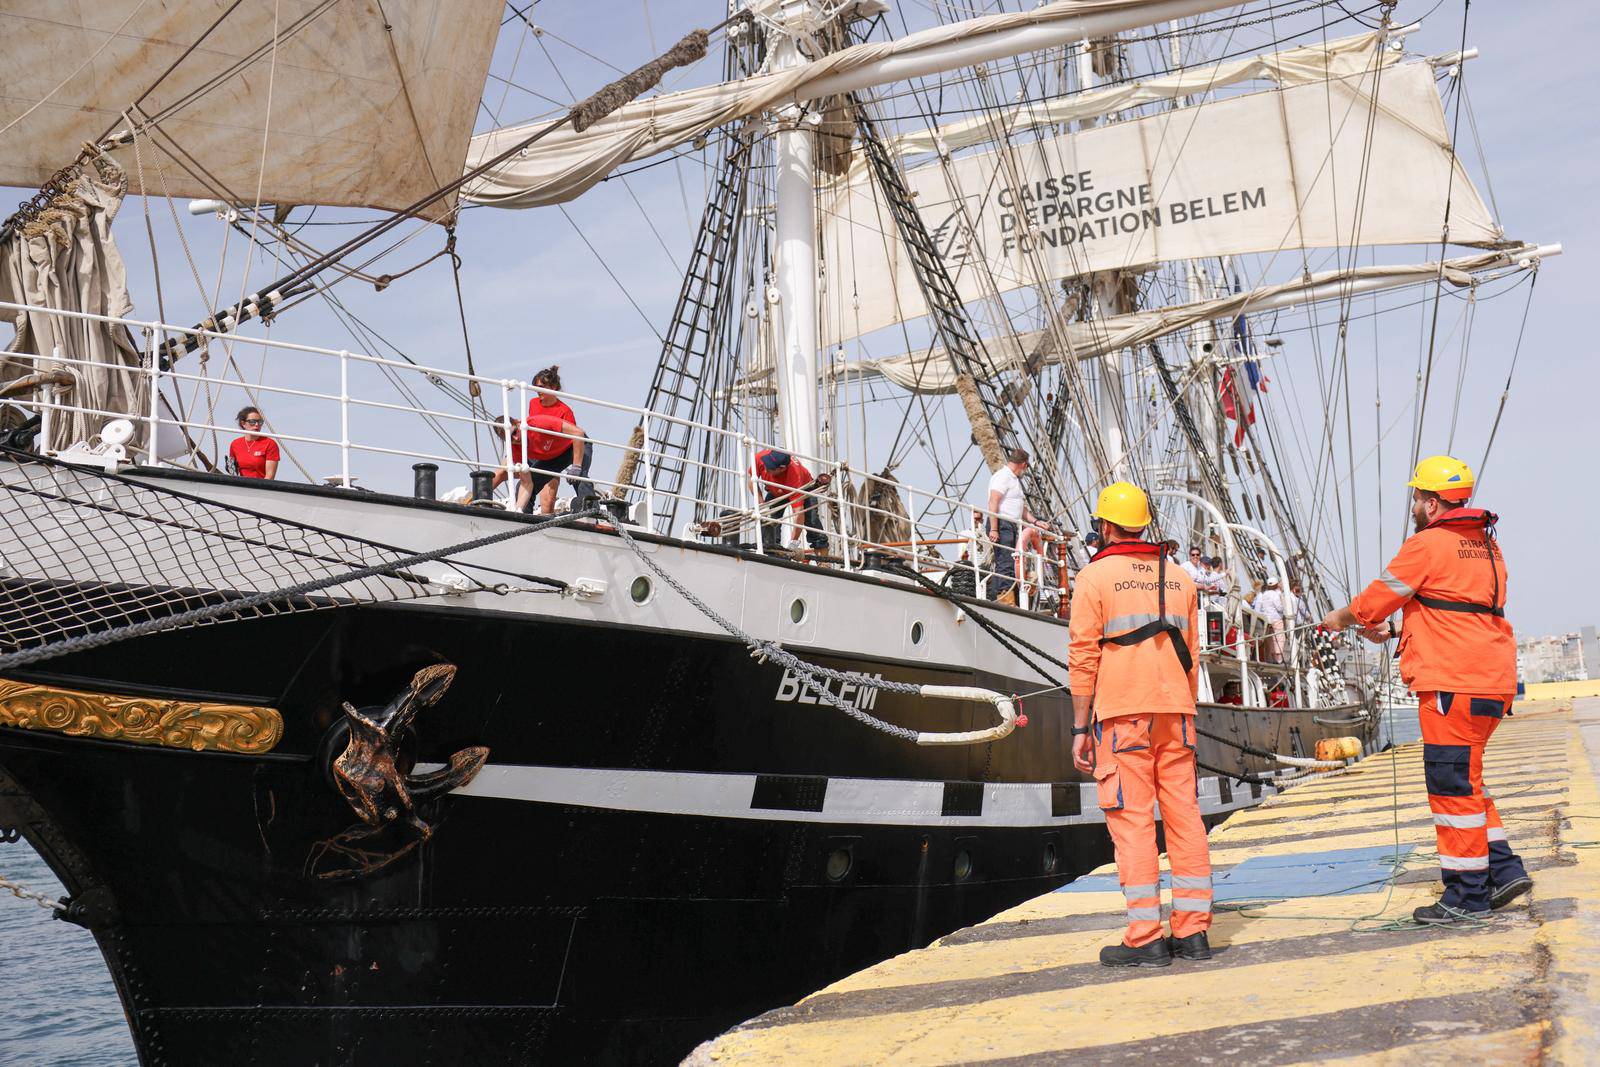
1461 822
1395 584
1463 863
1497 833
1141 892
1188 881
1135 914
1189 904
1128 623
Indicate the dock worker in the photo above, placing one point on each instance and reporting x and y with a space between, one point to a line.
779 476
1133 677
1458 654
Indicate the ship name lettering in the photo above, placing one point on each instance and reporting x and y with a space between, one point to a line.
792 688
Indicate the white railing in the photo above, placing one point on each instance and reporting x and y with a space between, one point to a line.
323 406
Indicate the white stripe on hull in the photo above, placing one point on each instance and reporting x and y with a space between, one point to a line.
865 801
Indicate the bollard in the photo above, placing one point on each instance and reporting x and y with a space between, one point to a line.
482 484
425 480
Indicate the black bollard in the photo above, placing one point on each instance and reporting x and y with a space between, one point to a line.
425 480
482 484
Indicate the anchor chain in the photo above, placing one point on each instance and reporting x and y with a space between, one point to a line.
22 892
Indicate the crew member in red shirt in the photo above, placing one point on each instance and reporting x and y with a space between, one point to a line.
778 475
253 455
556 448
549 404
524 479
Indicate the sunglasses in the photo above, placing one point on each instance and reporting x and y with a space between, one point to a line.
251 422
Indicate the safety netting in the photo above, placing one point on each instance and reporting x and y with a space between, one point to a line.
88 558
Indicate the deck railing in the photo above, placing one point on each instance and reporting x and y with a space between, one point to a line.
370 439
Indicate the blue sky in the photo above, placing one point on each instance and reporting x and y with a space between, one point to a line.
536 293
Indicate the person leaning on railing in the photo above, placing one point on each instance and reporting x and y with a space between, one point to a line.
780 478
546 403
557 448
252 455
524 479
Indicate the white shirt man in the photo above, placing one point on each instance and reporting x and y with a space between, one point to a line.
1005 494
1270 606
1009 510
1269 603
1195 565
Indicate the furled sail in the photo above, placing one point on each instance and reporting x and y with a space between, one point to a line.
565 163
65 257
364 104
931 371
1346 57
1362 159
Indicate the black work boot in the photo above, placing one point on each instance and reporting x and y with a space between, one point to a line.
1505 894
1193 947
1155 954
1445 915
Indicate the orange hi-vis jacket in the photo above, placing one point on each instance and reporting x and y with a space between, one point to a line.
1449 580
1116 596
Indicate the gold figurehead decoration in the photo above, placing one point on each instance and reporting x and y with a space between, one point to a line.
195 725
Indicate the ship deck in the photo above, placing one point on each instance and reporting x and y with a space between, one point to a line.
1315 956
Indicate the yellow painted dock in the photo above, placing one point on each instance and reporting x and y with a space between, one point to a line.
1315 956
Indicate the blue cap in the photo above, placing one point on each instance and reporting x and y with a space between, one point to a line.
775 459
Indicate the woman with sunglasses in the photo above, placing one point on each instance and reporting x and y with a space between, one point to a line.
254 455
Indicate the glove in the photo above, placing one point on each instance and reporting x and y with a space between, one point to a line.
574 471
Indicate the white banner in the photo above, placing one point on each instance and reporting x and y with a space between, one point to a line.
1265 172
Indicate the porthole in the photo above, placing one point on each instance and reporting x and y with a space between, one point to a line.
798 609
917 633
839 863
963 867
641 590
1051 860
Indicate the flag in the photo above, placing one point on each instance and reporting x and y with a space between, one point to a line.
1241 397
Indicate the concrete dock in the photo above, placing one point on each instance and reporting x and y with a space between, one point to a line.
1315 955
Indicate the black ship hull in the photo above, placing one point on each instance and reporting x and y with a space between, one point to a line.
669 837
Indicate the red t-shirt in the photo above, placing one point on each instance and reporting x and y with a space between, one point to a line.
546 445
558 409
251 456
793 476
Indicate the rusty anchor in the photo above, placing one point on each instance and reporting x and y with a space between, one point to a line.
383 797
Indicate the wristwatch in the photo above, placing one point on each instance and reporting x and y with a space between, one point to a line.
1079 731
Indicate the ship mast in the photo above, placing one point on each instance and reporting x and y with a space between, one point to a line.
794 278
795 225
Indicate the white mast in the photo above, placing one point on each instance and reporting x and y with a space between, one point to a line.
795 271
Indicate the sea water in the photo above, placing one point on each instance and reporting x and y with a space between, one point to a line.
57 1003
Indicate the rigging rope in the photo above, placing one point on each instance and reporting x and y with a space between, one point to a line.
764 650
1444 240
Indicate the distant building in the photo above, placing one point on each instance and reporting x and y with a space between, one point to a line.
1566 657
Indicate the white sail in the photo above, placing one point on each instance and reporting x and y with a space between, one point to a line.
931 371
1265 172
565 163
370 105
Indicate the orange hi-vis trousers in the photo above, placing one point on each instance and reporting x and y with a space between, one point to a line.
1138 761
1474 855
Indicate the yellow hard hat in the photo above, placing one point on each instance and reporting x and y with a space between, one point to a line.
1124 504
1445 475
